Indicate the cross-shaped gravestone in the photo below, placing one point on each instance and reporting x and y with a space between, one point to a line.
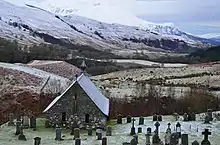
206 134
133 128
157 124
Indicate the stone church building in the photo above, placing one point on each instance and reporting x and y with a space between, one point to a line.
82 100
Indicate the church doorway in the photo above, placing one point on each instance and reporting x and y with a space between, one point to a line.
86 118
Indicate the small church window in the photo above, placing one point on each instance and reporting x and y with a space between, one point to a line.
86 118
64 116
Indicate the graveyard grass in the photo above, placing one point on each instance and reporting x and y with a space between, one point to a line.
120 133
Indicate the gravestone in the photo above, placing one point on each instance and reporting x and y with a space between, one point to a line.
184 139
21 136
109 131
149 130
192 116
207 119
58 133
148 138
11 120
18 127
160 118
47 123
185 117
119 119
133 141
154 117
141 120
129 119
209 113
157 124
90 131
37 140
206 134
168 129
174 139
76 133
133 128
195 142
99 133
104 141
178 129
77 141
136 137
33 122
25 122
139 130
167 138
155 139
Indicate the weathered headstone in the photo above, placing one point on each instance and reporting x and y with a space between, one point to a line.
11 120
76 133
157 124
195 142
207 119
141 120
109 131
37 140
149 130
58 133
184 139
192 116
25 122
119 119
185 117
33 122
168 129
160 118
18 127
133 128
129 119
206 134
148 138
155 139
77 141
99 133
174 139
47 123
139 130
136 137
178 129
154 117
133 141
209 113
104 141
167 138
21 136
90 131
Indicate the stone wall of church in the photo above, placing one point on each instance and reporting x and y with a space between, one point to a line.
84 105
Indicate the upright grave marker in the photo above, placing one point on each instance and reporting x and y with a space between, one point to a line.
206 134
133 128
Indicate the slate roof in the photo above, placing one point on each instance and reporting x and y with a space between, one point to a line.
91 90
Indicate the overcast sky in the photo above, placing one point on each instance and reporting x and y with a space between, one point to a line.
194 16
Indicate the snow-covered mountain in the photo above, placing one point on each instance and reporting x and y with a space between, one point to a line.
212 36
34 24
